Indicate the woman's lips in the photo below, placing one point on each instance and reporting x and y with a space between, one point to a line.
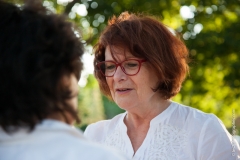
123 90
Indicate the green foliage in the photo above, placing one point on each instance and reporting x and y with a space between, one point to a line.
214 81
213 85
110 108
90 103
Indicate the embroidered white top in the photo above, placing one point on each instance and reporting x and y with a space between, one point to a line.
178 133
52 140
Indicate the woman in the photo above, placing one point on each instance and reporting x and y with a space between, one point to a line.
140 64
40 65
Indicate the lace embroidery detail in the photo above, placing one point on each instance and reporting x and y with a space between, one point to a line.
115 139
166 143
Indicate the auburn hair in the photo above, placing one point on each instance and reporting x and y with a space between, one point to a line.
145 37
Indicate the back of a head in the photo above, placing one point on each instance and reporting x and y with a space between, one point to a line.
37 48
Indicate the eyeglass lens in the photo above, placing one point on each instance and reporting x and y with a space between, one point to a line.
129 67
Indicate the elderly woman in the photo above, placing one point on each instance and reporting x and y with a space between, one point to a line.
140 64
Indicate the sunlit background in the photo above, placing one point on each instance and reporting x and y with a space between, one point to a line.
211 31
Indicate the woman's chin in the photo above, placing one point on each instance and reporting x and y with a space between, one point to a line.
126 105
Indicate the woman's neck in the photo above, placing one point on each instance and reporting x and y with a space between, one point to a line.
138 123
144 117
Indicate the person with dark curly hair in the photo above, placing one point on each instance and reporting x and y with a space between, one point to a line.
141 64
40 65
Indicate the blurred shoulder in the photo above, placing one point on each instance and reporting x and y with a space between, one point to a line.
188 112
53 140
85 149
189 117
70 143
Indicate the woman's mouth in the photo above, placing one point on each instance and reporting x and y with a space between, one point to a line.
123 90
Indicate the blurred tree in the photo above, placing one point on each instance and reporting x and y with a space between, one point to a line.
210 29
90 103
110 108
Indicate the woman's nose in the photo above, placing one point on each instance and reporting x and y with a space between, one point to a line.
119 74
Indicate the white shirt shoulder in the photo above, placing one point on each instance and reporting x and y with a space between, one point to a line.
97 131
53 140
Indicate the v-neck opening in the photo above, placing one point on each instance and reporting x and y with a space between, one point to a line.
159 118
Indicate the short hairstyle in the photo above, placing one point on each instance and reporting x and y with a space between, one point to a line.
37 48
145 37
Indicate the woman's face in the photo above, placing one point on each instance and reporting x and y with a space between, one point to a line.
132 93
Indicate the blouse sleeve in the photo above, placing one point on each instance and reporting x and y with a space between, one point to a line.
88 132
216 142
96 131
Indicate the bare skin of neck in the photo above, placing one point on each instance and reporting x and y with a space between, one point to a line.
138 124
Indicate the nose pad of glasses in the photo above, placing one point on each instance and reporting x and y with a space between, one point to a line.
122 70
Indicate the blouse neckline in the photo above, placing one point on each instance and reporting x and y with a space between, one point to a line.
159 118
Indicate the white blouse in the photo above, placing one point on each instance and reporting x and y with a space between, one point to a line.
178 133
52 140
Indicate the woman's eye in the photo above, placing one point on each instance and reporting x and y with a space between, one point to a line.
131 65
110 67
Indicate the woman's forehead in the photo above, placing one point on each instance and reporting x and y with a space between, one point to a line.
117 53
117 49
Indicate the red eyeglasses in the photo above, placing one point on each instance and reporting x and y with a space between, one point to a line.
130 67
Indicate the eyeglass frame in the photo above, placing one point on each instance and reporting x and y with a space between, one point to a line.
120 64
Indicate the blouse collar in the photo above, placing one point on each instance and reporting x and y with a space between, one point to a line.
159 118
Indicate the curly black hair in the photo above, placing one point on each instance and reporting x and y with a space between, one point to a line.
37 48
